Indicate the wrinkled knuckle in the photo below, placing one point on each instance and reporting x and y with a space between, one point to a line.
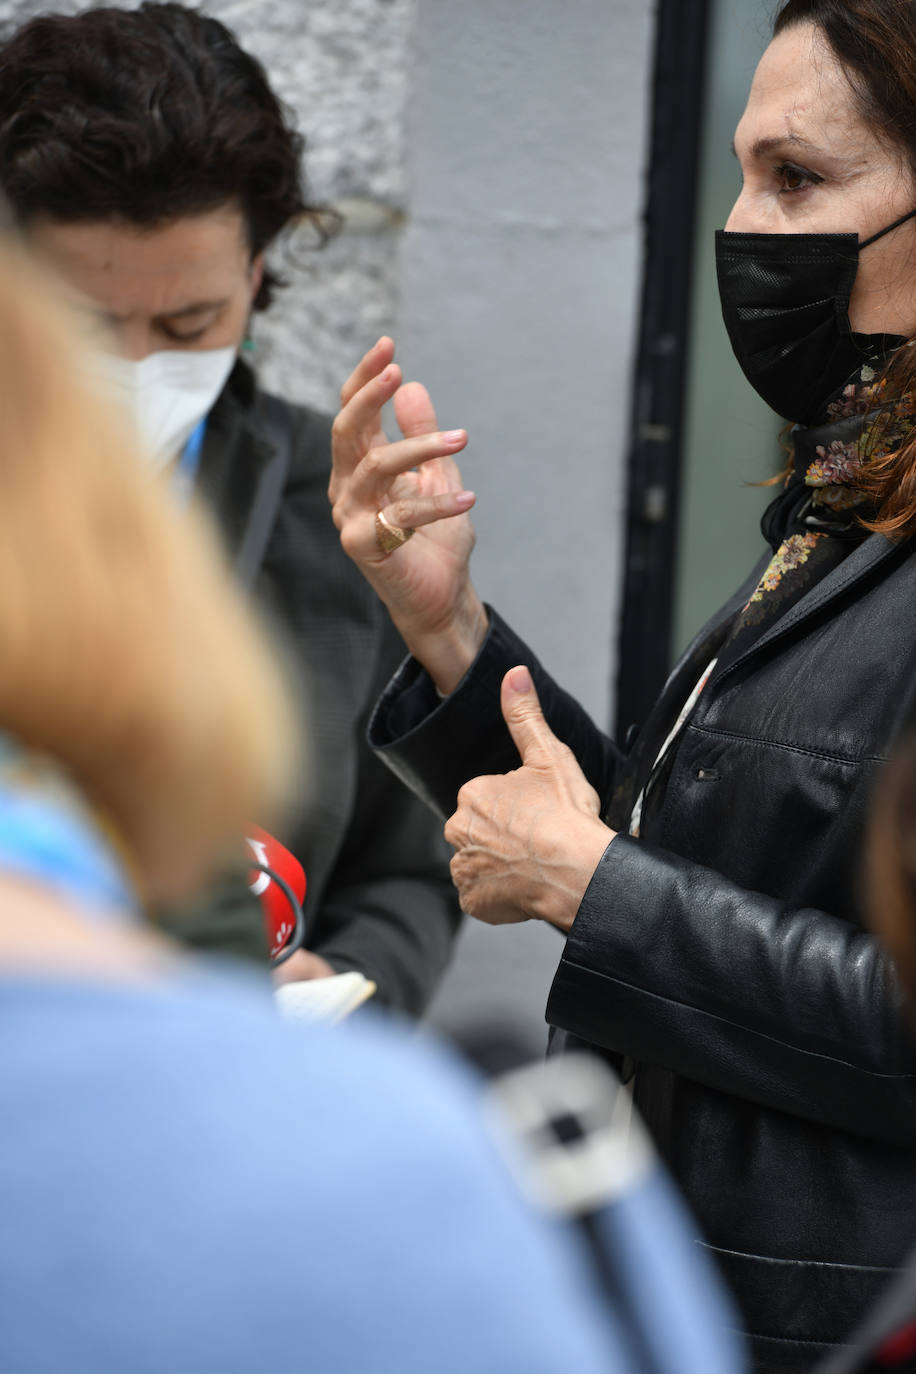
401 513
468 901
337 494
348 541
339 425
372 464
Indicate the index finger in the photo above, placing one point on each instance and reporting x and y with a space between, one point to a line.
369 366
358 425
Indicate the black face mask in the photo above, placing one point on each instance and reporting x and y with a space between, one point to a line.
785 302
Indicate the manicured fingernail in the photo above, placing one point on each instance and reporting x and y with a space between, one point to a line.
464 499
453 436
520 680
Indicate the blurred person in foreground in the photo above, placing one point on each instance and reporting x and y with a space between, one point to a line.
186 1183
705 878
150 164
885 1339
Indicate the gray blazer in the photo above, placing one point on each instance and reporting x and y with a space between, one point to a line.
379 895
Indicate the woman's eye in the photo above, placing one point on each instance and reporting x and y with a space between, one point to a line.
189 336
792 178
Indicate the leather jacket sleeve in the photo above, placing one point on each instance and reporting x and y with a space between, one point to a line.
436 745
668 961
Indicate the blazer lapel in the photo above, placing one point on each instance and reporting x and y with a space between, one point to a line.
242 475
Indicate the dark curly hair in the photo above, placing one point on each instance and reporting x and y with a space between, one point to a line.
146 116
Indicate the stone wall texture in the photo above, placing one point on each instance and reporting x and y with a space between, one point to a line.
341 66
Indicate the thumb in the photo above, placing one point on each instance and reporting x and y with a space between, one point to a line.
521 709
414 410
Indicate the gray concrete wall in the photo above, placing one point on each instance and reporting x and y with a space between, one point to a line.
527 139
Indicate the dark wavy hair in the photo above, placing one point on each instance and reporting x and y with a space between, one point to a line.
146 116
875 44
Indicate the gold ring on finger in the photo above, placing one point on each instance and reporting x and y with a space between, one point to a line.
390 537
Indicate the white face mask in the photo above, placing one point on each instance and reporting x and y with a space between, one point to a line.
166 394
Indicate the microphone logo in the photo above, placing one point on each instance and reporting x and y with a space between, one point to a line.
277 879
261 881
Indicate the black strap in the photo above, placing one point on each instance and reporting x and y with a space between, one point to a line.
275 417
881 232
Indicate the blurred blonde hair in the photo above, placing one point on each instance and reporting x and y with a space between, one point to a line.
125 653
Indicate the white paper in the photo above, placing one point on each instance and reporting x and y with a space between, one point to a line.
323 999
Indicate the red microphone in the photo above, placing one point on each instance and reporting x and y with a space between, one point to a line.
281 918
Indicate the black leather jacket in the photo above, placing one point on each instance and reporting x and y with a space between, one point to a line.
723 954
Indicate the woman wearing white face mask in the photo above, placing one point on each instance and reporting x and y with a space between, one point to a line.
168 394
151 165
707 881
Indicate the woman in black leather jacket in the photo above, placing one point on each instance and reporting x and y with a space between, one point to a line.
707 881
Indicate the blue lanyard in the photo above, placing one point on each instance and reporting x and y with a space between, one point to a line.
44 839
185 474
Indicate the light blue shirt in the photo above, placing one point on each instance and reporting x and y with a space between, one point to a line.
186 1184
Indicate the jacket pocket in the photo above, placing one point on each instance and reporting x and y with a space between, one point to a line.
794 1310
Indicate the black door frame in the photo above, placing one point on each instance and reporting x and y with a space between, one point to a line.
656 426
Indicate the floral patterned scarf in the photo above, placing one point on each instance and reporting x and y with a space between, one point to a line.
813 524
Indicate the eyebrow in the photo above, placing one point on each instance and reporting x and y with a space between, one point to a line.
769 145
195 308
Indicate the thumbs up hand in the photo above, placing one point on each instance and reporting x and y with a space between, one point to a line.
527 843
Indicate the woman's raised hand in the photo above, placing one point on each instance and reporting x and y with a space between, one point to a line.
416 485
